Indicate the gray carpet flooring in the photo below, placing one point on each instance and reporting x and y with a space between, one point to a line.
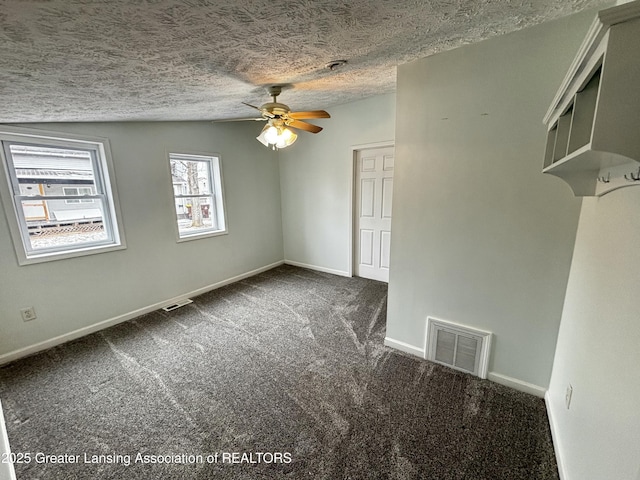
280 376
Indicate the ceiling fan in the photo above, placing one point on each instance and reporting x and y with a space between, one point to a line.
276 133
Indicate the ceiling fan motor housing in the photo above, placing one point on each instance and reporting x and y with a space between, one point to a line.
275 108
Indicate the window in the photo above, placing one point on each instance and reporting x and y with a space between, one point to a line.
197 192
60 202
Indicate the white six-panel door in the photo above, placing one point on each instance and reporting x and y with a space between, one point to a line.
374 191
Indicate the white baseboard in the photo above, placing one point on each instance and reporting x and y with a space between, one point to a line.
404 347
317 268
6 469
492 376
554 438
81 332
516 384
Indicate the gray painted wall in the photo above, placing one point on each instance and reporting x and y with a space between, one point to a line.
598 345
480 236
315 177
79 292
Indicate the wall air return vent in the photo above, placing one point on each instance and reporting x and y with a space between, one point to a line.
457 346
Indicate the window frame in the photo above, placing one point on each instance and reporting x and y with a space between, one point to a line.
216 181
104 174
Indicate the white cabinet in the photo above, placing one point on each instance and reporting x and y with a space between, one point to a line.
593 140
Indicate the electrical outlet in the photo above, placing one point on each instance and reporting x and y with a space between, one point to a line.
567 396
28 314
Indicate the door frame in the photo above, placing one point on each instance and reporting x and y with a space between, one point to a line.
352 192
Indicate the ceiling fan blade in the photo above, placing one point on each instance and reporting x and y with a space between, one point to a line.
252 106
264 112
305 126
311 114
246 119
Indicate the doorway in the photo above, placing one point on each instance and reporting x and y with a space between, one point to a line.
373 194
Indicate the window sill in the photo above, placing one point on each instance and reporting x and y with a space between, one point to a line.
198 236
80 252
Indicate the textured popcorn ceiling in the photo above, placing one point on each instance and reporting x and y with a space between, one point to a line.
93 60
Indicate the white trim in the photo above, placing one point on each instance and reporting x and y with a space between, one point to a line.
491 376
352 216
354 149
404 347
81 332
317 268
367 146
6 469
198 236
516 384
554 437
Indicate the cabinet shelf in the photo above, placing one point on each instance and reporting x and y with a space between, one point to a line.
593 126
581 169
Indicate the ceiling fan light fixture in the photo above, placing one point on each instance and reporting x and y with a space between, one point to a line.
261 138
276 137
271 134
286 138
